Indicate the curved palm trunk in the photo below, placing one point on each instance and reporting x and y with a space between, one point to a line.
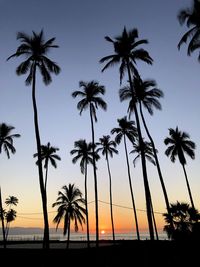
95 181
111 205
157 165
86 207
41 181
131 189
188 187
2 221
146 183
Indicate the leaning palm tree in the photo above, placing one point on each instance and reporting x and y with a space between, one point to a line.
127 52
34 48
48 155
69 203
146 94
108 148
149 155
6 139
179 144
83 153
90 99
192 19
126 130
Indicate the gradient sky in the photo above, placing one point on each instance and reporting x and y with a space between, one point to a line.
79 27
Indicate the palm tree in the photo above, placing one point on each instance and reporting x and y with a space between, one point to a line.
149 155
126 130
108 148
90 99
69 203
185 218
127 53
178 144
2 215
6 139
48 155
10 216
35 49
146 94
192 19
84 154
11 200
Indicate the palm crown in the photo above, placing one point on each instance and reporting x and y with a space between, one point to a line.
6 139
178 145
126 51
34 48
107 146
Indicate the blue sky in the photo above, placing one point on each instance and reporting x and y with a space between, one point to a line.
79 28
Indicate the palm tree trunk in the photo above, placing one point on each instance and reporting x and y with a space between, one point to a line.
157 165
154 221
68 233
86 207
46 174
146 183
41 181
188 187
2 221
131 189
7 230
95 180
111 205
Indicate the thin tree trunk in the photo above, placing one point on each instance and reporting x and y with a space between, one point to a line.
46 174
158 166
188 187
2 221
146 184
111 205
95 180
7 230
86 207
154 221
41 181
68 233
131 189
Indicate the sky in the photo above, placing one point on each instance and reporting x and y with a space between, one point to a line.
80 27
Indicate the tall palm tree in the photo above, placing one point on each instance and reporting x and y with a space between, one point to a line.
35 49
146 94
10 216
6 139
48 155
69 203
149 155
83 153
90 99
126 130
2 215
108 148
179 144
127 53
192 19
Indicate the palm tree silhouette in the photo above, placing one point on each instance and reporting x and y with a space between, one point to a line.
6 139
11 200
146 94
84 154
90 99
2 215
48 155
192 19
149 155
127 53
69 203
178 143
35 49
108 148
126 130
184 220
10 216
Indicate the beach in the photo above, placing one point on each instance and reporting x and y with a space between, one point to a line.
123 253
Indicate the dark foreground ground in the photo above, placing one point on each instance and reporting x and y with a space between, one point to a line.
124 253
